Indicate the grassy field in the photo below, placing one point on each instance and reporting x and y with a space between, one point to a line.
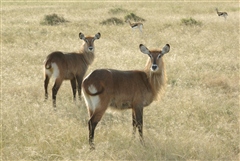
197 118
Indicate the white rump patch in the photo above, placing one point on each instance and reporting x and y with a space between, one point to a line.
53 71
91 101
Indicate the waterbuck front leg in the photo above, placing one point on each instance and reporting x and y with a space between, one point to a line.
138 117
46 81
134 122
79 81
74 88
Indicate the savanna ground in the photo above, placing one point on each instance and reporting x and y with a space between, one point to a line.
197 118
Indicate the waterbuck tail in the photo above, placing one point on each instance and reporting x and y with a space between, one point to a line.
92 91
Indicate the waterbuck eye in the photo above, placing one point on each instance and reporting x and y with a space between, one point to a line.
159 56
150 56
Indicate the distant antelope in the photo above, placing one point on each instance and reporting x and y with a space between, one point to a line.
223 14
136 25
132 89
69 66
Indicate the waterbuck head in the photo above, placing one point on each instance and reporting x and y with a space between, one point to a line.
155 55
89 41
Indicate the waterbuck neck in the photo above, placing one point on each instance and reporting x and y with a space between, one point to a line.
157 79
88 57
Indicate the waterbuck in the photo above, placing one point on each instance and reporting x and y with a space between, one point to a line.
69 66
133 89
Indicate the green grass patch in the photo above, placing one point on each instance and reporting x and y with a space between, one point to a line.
132 16
190 22
53 19
112 21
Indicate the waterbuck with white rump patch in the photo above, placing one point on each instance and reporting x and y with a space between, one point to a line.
69 66
133 89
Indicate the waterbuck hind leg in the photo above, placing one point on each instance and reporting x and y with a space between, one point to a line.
46 81
55 89
91 127
74 88
95 117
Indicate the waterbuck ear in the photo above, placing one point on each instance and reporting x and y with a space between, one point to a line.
144 49
81 36
166 49
97 36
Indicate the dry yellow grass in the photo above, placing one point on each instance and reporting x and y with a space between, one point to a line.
197 119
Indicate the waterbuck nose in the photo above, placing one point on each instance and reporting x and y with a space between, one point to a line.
154 67
90 48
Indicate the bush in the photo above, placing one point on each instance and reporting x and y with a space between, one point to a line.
134 17
112 21
53 19
190 22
